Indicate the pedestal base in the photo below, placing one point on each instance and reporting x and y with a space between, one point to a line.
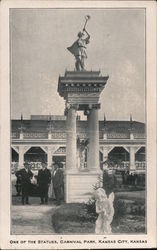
79 186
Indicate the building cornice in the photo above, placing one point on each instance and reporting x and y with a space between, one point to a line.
63 141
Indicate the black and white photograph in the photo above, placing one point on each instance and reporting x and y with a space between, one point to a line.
78 120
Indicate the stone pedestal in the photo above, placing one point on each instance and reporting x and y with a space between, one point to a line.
79 186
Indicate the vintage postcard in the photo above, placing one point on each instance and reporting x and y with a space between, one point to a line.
78 125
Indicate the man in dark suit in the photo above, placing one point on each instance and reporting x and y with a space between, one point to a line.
106 180
18 184
25 174
58 181
44 180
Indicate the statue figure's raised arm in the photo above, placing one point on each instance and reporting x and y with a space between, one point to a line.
88 36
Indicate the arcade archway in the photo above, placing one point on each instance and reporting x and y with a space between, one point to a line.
14 155
35 154
118 155
140 155
14 160
60 156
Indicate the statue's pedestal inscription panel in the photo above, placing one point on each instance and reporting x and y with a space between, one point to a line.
79 186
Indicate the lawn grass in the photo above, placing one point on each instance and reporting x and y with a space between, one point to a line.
136 196
75 218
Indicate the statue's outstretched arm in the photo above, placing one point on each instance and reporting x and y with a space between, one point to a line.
86 32
88 36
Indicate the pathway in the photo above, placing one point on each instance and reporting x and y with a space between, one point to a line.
32 219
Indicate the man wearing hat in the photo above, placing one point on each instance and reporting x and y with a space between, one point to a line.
58 181
25 175
43 181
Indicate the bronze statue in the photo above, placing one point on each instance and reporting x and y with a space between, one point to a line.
78 49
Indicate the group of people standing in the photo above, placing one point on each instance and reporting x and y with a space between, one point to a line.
43 180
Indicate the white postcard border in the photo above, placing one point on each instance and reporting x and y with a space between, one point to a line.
122 241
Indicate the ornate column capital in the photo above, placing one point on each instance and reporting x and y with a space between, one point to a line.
74 106
71 106
90 107
94 106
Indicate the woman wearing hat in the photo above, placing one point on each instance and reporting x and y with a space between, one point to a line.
58 182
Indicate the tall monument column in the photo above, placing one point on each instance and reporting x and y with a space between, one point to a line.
93 133
81 91
71 138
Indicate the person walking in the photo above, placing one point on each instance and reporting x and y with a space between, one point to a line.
26 175
43 181
58 180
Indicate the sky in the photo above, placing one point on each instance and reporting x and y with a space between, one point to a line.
39 39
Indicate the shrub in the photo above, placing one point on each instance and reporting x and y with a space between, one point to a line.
119 208
99 183
91 207
138 209
73 217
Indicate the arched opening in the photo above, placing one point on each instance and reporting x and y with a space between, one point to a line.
118 155
14 160
35 154
60 156
140 158
140 154
14 155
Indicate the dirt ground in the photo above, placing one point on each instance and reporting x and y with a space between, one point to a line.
32 219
